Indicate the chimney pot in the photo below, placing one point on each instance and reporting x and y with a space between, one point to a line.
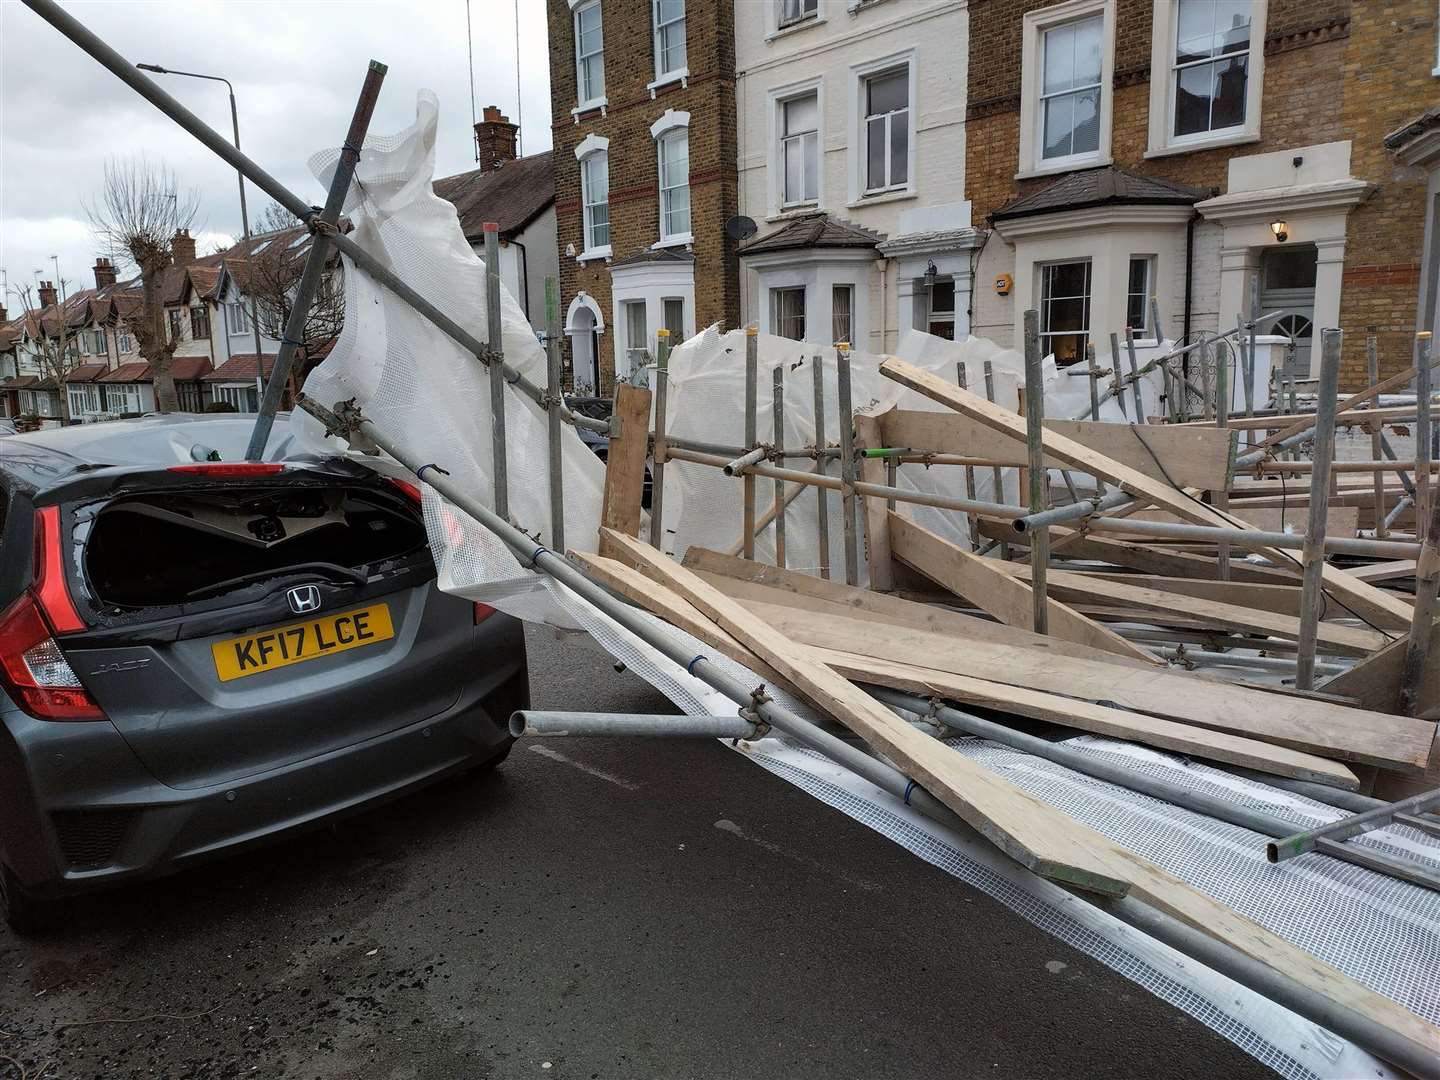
495 139
104 272
182 248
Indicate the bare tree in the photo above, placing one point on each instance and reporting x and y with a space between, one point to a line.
55 355
140 209
271 277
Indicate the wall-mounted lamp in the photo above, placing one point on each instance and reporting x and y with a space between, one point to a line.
930 273
1281 229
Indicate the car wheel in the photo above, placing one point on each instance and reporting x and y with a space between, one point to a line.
24 913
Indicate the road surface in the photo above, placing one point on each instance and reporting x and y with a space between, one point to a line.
611 909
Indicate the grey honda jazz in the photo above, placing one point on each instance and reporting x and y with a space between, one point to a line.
196 656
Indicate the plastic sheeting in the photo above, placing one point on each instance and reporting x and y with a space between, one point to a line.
707 404
430 395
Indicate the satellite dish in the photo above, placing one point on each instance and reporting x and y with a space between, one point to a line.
740 228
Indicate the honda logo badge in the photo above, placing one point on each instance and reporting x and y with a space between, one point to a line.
304 598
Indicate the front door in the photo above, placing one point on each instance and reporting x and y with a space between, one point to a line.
1287 285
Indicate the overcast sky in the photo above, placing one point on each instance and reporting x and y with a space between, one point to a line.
297 66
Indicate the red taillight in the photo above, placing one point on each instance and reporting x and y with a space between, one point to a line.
482 612
50 588
411 491
35 672
230 468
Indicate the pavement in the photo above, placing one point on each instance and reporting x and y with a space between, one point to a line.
596 908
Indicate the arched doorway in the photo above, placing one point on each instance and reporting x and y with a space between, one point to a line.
583 325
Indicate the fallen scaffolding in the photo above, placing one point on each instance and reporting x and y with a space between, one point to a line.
1086 632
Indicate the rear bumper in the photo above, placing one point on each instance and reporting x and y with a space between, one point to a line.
78 811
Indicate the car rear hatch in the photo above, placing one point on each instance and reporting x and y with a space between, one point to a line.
240 618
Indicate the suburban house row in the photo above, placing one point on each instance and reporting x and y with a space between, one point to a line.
848 170
945 165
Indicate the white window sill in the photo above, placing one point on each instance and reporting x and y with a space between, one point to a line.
678 240
1239 138
1435 70
590 106
592 254
793 28
860 5
682 76
1055 168
879 197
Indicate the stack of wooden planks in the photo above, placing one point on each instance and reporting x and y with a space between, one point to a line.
1182 646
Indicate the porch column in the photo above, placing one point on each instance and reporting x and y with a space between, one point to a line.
1329 270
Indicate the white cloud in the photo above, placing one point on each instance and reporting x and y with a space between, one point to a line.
296 67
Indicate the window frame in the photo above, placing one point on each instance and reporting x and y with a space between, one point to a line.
176 324
593 148
848 289
583 103
860 74
1175 67
1074 158
1032 126
805 16
1143 332
637 355
199 317
657 28
677 333
1164 28
1088 297
237 319
889 117
238 395
666 140
775 318
782 138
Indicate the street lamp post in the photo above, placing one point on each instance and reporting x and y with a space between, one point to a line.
244 213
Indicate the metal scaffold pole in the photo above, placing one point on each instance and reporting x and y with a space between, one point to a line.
1312 597
1039 478
554 391
660 450
324 227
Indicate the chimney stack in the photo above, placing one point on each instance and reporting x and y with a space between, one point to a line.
104 272
182 248
48 296
495 139
4 315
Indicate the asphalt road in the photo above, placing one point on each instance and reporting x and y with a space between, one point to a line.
595 909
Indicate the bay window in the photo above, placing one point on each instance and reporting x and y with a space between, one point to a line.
799 150
1071 90
1065 310
673 153
672 315
669 16
886 130
589 55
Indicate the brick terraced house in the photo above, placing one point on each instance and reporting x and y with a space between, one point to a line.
643 107
1191 151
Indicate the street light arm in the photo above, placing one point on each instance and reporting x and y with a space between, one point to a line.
189 74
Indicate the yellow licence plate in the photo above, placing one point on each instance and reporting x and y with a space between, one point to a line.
282 646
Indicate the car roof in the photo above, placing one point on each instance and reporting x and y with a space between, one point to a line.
39 459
